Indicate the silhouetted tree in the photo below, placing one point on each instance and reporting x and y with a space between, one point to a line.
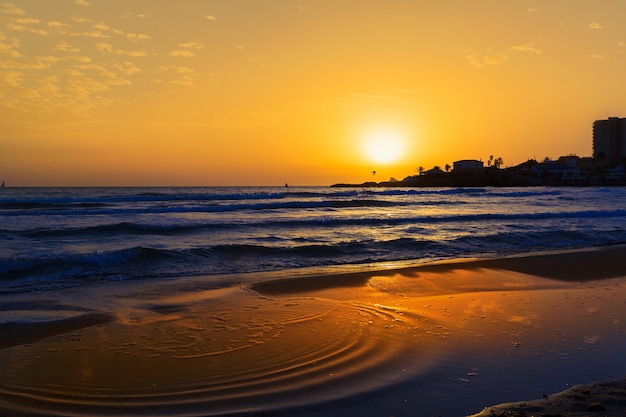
498 162
448 167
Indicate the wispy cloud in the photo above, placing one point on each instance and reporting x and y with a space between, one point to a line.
182 53
25 24
191 45
81 19
53 24
65 47
596 26
11 9
484 60
528 47
210 17
127 67
164 69
92 34
8 48
107 48
492 59
131 53
83 3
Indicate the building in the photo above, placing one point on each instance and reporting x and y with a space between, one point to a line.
567 170
468 166
609 141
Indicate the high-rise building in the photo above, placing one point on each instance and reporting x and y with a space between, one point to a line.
609 140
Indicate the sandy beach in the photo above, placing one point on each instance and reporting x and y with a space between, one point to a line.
450 339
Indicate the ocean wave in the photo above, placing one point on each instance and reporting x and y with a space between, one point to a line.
138 229
33 273
161 197
212 208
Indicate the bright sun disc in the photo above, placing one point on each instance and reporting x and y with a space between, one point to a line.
384 146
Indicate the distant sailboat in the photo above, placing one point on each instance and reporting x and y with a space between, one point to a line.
2 186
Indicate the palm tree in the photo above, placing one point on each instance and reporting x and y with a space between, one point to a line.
448 167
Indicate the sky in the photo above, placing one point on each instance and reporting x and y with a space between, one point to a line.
267 92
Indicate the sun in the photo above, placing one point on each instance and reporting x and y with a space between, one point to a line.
384 145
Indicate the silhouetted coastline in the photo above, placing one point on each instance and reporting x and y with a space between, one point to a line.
566 171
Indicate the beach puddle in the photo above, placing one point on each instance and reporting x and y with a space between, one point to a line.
215 355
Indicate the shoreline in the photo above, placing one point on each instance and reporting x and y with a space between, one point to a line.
577 265
444 338
606 398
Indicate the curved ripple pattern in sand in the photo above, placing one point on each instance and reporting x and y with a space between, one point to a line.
217 363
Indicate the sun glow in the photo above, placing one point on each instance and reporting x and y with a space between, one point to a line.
384 146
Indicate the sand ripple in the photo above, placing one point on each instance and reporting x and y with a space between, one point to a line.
201 359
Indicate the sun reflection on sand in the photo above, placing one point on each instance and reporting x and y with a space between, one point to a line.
304 342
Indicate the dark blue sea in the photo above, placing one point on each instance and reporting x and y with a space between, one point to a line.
65 237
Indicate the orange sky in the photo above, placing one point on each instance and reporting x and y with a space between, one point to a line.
234 92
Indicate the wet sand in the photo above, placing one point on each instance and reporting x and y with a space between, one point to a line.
438 340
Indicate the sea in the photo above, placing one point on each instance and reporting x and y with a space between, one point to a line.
53 238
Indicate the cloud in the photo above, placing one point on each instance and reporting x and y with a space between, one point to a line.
80 58
105 48
182 53
101 26
209 17
26 20
127 67
65 47
108 77
57 25
597 57
81 19
93 34
83 3
12 78
127 15
490 59
481 61
529 47
137 36
25 24
162 69
131 53
12 9
596 26
9 49
191 45
185 81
